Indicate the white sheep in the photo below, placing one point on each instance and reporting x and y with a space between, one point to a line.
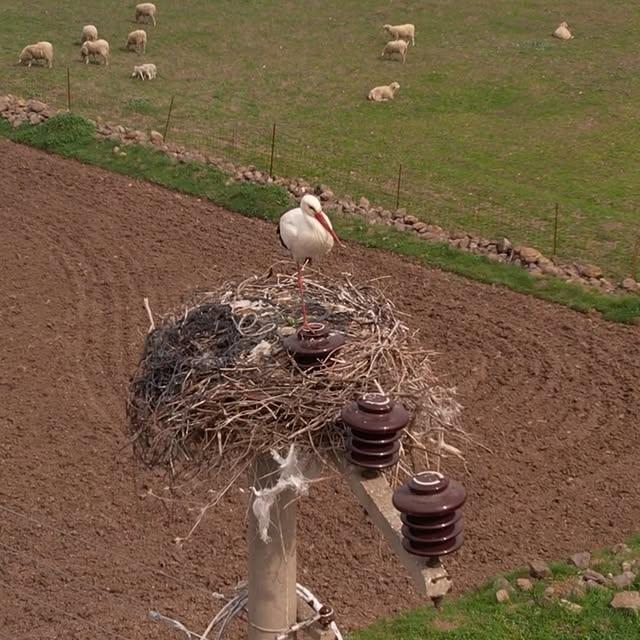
562 32
395 46
38 51
383 93
137 40
142 71
95 48
89 32
401 32
146 10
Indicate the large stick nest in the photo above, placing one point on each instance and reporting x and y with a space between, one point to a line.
215 387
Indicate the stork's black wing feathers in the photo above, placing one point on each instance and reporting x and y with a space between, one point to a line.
280 238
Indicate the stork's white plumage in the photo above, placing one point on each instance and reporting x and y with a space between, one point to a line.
307 233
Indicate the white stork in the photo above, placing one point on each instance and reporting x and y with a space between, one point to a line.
306 232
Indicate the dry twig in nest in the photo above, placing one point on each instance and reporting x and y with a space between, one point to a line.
214 387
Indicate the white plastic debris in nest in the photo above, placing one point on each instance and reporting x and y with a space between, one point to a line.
290 478
339 308
260 351
245 306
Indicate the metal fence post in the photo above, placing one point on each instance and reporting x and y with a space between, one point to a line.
166 126
68 89
398 186
273 147
555 231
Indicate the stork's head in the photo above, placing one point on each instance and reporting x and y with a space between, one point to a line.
311 206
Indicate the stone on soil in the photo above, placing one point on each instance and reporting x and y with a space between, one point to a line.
624 580
629 284
581 560
524 584
626 600
539 569
503 583
590 271
620 548
570 606
502 595
504 246
156 137
36 106
593 576
528 254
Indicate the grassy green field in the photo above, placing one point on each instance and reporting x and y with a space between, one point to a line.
528 616
495 120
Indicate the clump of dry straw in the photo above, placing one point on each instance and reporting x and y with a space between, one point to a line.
215 387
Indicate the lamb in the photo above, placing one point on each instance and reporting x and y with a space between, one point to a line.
137 40
383 93
146 10
95 48
142 71
89 32
396 46
38 51
401 32
562 32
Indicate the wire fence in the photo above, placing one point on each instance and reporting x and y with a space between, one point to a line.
391 180
388 181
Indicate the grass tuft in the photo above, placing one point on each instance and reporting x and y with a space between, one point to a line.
64 134
139 105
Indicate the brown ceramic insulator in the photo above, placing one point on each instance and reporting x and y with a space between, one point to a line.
430 524
419 536
375 425
429 505
433 550
313 345
371 457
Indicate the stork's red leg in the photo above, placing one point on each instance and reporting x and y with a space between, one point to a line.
305 322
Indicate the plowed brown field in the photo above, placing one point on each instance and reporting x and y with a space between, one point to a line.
83 553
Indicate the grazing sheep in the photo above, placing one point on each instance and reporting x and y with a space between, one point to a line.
146 10
402 32
89 32
38 51
93 49
395 46
383 93
142 71
562 32
137 40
